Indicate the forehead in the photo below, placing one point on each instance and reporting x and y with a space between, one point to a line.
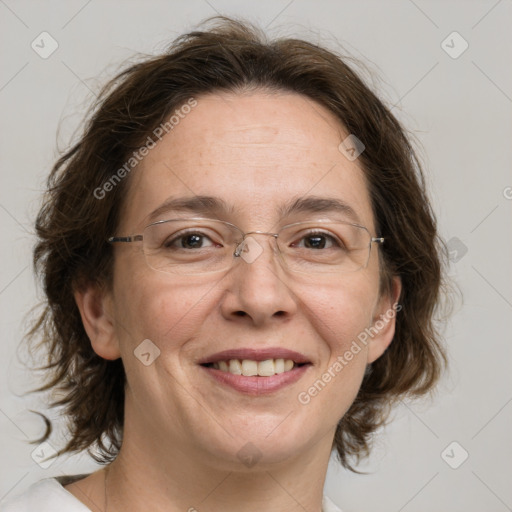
256 152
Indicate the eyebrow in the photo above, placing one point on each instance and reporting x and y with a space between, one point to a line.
204 205
318 204
210 205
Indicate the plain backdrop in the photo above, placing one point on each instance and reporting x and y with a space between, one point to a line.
457 105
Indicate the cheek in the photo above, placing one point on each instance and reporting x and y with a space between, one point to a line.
158 307
339 314
153 307
342 309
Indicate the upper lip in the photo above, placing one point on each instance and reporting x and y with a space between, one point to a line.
255 355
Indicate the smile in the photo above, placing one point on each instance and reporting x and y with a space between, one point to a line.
251 368
256 372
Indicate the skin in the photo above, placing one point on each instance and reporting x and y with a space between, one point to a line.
255 150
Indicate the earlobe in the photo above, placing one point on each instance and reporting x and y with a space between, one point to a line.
95 305
384 321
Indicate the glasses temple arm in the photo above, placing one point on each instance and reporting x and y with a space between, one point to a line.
134 238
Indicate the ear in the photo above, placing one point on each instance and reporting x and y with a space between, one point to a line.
382 330
95 305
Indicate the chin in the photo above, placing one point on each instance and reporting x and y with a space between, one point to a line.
259 447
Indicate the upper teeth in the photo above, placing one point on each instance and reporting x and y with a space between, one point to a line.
248 367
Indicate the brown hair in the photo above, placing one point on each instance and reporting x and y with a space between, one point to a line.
74 223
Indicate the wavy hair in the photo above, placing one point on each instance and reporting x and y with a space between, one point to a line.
73 223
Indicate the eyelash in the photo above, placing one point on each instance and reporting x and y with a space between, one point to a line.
180 236
334 239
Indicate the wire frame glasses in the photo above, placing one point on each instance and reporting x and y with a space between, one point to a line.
200 246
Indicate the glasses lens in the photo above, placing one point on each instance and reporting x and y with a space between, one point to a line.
329 247
189 246
200 246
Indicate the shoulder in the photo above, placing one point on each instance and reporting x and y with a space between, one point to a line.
47 495
50 496
327 506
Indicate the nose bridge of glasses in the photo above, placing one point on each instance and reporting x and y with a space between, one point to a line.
249 244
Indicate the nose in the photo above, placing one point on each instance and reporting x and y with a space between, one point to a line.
258 289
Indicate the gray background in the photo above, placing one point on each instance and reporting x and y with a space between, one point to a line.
459 110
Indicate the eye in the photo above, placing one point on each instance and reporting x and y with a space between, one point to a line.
188 240
317 240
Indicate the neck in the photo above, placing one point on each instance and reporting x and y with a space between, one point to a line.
180 479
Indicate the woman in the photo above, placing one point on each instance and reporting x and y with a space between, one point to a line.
241 268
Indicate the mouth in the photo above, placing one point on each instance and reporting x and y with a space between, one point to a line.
256 372
252 368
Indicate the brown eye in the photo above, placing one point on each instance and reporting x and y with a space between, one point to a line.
194 241
315 242
191 240
318 241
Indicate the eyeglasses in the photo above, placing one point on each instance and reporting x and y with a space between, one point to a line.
200 246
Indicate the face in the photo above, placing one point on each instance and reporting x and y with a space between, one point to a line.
254 153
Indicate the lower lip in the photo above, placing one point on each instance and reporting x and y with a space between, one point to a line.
258 385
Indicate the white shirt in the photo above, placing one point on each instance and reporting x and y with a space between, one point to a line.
49 495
